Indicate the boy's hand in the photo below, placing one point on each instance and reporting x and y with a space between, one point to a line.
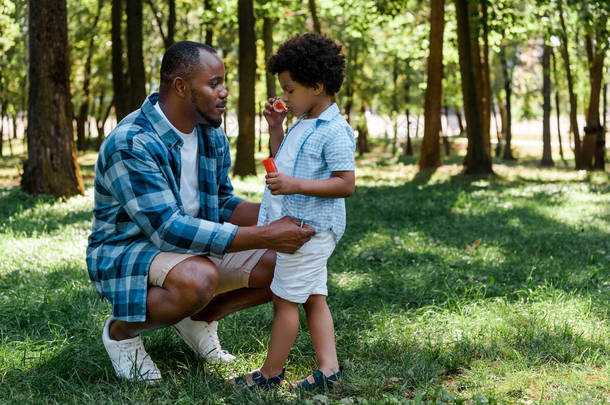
274 118
282 184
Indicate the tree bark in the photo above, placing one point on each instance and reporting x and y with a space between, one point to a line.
547 158
83 111
485 80
572 95
244 159
268 24
556 80
506 124
51 167
209 29
363 131
135 58
408 150
119 81
430 155
594 143
314 16
168 39
477 159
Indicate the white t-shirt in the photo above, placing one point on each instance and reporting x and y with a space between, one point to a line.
284 161
189 173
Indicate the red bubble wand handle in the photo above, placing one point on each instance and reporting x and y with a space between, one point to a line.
270 165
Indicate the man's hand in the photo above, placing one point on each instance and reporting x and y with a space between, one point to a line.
286 235
282 184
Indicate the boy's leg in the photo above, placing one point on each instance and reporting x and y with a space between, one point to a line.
322 331
283 333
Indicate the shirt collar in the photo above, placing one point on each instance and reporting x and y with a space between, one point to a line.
331 112
168 135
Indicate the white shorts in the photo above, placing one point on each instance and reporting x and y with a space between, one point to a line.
299 275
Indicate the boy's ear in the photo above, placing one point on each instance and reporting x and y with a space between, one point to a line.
318 88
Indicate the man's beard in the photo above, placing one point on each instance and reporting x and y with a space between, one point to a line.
215 123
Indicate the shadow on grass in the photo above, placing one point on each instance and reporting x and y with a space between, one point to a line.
19 213
528 248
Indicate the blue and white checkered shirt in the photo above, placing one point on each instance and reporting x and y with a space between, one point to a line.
325 147
138 211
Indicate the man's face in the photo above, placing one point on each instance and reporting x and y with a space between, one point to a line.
208 94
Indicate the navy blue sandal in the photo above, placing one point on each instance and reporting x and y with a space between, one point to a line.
321 382
259 381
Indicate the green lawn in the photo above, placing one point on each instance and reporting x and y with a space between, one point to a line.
422 313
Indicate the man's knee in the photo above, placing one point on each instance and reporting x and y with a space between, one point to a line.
262 273
194 281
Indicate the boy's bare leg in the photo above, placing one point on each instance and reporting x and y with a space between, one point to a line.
322 331
283 333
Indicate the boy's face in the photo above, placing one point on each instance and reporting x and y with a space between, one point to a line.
298 98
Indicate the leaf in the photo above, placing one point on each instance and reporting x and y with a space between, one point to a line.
474 244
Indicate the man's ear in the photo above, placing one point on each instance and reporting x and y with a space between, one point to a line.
181 87
318 88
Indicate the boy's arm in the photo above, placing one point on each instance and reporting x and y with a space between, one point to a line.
340 185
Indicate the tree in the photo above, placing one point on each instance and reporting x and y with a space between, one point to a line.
430 156
122 100
244 158
477 160
547 158
83 111
168 39
314 16
51 167
135 58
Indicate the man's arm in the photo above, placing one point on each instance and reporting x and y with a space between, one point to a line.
245 214
284 235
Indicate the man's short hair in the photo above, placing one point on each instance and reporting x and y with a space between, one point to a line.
182 59
311 58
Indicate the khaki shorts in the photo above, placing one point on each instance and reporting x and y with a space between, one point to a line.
233 269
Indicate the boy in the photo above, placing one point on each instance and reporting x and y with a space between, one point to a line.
315 162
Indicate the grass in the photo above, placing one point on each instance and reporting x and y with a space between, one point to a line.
423 312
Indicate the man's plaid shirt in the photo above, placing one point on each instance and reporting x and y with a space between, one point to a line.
138 211
326 147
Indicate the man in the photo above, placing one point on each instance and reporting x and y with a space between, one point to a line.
171 244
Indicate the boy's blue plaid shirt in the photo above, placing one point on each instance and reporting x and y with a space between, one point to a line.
327 146
138 211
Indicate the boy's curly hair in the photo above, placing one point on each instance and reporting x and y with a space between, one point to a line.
310 59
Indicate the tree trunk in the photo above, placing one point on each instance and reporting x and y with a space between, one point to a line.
547 157
556 81
268 24
135 59
363 131
508 151
477 159
119 82
430 155
51 167
314 16
168 39
498 150
594 143
408 150
244 159
485 81
209 28
458 114
573 101
83 111
395 103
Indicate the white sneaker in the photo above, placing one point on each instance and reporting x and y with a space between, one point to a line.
202 337
129 358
